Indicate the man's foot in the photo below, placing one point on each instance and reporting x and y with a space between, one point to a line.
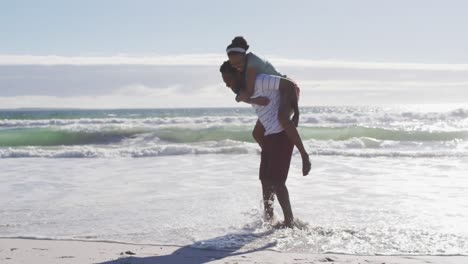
288 224
284 225
296 224
268 216
271 220
306 165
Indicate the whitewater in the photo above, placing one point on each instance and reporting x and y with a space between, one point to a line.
384 180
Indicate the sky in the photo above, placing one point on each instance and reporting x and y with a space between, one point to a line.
152 54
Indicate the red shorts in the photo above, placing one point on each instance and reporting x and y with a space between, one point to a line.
276 157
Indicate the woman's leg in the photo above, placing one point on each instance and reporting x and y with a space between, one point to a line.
286 89
294 104
258 133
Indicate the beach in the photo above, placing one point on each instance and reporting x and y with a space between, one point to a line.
20 251
387 185
131 132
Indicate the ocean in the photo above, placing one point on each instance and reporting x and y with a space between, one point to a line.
385 180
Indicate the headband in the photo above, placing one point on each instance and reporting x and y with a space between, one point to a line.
235 50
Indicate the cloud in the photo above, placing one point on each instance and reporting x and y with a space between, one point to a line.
131 96
368 85
166 81
313 92
337 64
163 60
145 91
216 59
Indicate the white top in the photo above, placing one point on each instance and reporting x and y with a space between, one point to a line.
268 86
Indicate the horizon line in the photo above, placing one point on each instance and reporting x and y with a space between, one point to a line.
241 107
215 59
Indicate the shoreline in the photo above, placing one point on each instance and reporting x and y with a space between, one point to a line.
35 250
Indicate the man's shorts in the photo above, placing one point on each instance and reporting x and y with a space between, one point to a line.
276 157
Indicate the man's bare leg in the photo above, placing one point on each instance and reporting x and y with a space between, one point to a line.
283 199
258 133
268 199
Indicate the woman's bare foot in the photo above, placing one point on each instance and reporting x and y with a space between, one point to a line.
306 165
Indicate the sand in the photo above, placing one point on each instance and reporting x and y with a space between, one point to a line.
67 251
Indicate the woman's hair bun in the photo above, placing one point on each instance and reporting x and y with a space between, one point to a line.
239 42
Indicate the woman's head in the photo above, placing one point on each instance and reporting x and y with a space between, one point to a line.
236 52
230 76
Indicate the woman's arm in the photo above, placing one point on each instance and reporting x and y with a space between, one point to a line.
249 89
250 77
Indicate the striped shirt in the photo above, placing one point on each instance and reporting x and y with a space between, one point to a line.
268 86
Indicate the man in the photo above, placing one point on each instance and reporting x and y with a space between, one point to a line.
276 146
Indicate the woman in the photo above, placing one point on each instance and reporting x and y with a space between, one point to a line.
249 66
